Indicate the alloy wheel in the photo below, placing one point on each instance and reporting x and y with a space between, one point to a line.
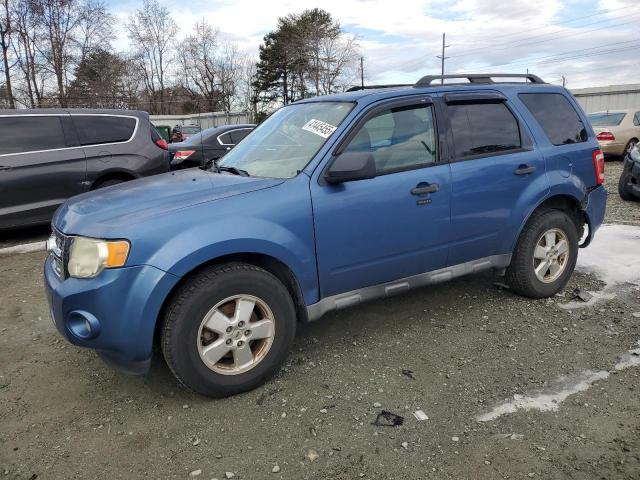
551 255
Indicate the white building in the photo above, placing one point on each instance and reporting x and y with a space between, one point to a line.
611 97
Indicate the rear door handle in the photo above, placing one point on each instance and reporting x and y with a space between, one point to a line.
2 167
423 188
524 170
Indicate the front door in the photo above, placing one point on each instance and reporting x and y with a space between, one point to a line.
394 225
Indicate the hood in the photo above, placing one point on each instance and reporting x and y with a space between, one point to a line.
139 200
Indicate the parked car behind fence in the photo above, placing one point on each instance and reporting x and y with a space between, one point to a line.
209 145
48 156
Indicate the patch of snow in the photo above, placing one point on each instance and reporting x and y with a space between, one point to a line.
613 255
595 297
629 359
548 399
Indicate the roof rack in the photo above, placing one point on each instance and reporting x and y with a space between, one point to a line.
369 87
427 80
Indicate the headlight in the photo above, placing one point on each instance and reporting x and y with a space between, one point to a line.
635 153
89 256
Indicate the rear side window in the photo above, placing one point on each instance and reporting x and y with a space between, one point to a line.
606 119
636 119
483 128
237 135
99 129
556 116
29 134
225 139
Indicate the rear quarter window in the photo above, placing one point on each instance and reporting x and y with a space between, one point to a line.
100 129
22 134
557 117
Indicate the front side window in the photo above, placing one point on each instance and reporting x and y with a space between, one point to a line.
399 138
100 129
282 145
606 119
636 119
238 135
22 134
556 116
483 128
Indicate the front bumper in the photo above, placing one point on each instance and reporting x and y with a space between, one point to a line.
114 313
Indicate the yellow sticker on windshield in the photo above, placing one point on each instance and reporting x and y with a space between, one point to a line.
319 128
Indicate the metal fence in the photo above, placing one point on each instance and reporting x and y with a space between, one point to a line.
204 120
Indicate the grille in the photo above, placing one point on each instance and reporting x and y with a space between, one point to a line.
58 247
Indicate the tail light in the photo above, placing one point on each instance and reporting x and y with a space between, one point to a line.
606 136
598 166
162 143
183 154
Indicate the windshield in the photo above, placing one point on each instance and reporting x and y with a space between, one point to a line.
606 119
284 143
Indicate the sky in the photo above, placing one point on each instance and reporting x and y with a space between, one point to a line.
589 42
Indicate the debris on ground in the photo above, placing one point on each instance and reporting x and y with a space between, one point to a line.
195 473
420 415
581 295
501 285
275 469
312 455
510 436
388 419
405 445
408 373
229 475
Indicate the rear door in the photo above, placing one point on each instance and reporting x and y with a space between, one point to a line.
41 165
494 169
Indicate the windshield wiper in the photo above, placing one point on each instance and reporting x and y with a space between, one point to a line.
223 168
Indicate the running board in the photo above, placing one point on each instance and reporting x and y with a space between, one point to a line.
354 297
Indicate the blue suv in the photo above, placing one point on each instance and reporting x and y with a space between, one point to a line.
330 202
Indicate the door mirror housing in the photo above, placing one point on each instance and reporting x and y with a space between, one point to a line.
350 166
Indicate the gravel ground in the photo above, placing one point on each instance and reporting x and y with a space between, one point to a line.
469 345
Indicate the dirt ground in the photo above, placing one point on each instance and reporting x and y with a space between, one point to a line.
466 347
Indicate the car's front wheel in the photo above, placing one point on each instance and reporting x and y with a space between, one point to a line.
624 187
228 329
545 255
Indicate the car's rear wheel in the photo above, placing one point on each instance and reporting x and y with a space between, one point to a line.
228 329
627 150
545 255
624 188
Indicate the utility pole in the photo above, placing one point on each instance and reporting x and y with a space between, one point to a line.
362 72
442 59
564 81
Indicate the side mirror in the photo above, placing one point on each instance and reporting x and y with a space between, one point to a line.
350 166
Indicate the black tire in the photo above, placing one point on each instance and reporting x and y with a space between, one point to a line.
628 147
190 304
108 183
520 274
624 188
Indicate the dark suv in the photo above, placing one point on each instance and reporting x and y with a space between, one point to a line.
48 156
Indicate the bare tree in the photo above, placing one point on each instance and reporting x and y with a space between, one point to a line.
229 66
337 64
199 64
152 32
95 28
59 20
5 34
26 53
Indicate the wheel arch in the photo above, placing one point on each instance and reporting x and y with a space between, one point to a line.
123 175
269 263
560 201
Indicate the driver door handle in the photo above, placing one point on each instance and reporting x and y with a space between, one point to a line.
524 170
421 190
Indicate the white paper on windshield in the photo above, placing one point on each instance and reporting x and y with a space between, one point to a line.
319 128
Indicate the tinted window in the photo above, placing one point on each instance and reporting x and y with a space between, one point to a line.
30 134
636 119
237 135
97 129
482 128
225 139
190 130
556 116
399 138
606 119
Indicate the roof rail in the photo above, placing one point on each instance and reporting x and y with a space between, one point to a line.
369 87
427 80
